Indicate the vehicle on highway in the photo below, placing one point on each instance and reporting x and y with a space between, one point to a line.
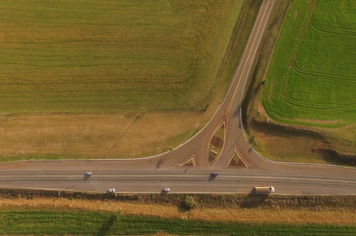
263 190
166 190
111 190
88 173
214 174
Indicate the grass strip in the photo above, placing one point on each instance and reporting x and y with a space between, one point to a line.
77 222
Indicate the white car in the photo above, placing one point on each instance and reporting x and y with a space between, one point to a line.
111 190
166 190
88 173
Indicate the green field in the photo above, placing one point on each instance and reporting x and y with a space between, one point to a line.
77 222
312 76
113 55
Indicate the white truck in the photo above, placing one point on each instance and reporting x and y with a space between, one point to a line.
263 190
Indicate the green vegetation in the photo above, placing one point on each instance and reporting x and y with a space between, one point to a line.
189 202
76 222
112 55
311 79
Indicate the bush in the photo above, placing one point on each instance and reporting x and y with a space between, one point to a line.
189 202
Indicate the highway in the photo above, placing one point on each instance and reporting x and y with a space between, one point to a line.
180 181
152 174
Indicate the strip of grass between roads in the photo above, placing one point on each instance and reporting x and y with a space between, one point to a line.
78 222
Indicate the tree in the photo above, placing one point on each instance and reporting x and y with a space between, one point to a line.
189 202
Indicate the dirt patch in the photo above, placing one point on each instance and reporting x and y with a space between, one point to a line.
212 155
296 14
217 142
271 91
327 122
241 164
261 109
232 163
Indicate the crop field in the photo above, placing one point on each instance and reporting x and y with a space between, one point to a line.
42 212
312 77
114 55
78 222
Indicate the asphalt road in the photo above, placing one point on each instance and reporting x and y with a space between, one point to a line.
152 174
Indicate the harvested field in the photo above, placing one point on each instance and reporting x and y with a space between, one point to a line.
97 66
82 136
70 56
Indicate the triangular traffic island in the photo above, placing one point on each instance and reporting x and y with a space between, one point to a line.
189 162
216 143
236 160
241 164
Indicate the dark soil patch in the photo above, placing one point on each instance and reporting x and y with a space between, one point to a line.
233 163
217 142
240 163
212 156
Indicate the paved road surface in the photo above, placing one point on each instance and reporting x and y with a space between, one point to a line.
155 173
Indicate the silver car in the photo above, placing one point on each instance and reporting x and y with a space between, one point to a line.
166 190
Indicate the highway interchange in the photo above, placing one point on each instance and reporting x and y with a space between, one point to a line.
152 174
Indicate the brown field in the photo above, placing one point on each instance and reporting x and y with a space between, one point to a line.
116 135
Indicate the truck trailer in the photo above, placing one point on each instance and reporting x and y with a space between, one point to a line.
263 190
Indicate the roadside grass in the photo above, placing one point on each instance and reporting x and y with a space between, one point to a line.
311 79
94 134
78 222
143 56
225 209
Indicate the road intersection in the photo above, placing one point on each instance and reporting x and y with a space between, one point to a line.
152 174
